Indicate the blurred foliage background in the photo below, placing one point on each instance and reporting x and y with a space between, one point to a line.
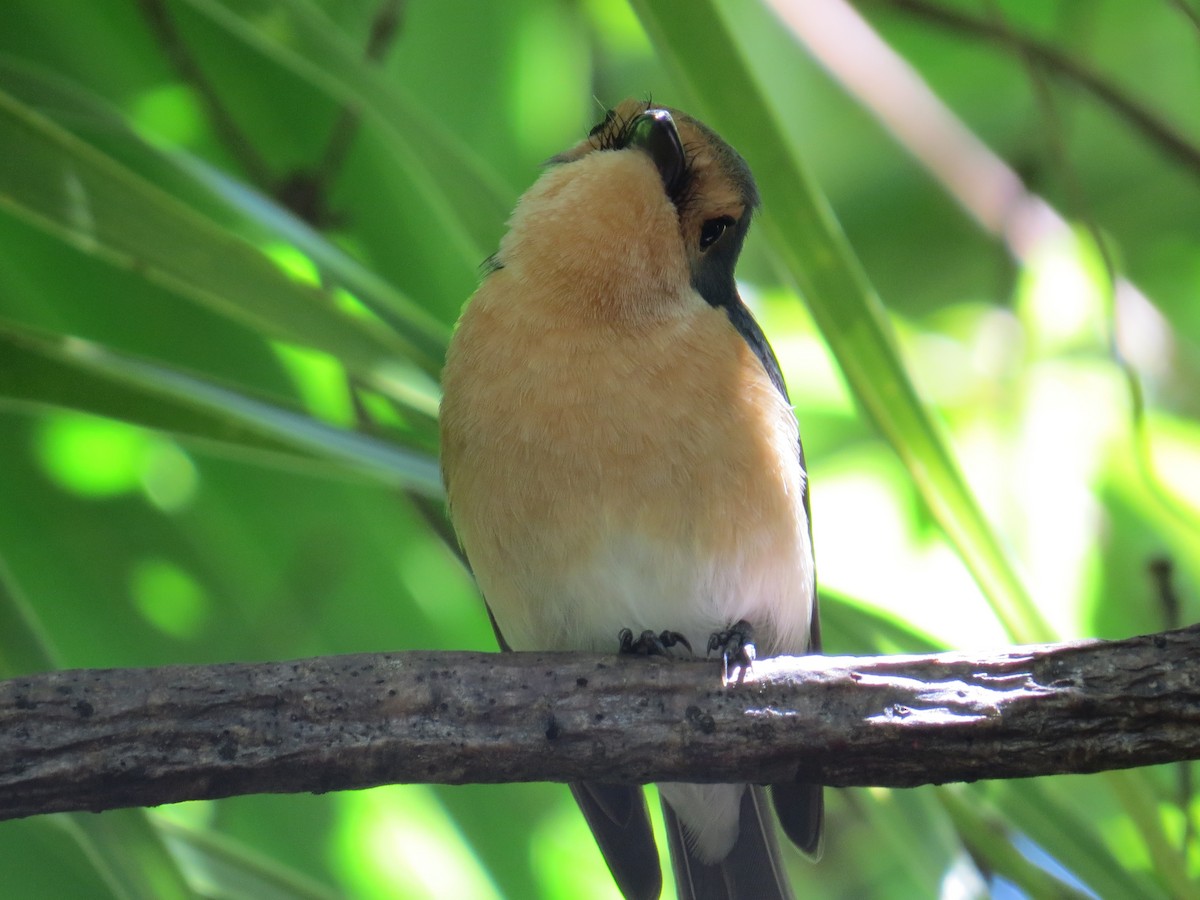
236 234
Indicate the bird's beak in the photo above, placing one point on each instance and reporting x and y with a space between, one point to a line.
654 132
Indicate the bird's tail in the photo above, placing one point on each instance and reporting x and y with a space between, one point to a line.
753 870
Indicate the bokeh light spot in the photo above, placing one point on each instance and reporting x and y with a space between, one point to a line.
169 598
546 112
1063 295
293 263
167 115
169 478
321 382
91 456
399 842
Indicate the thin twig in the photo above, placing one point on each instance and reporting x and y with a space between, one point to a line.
1155 129
1162 572
226 128
305 190
384 29
1188 11
1057 144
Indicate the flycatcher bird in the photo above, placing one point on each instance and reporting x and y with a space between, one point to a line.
624 467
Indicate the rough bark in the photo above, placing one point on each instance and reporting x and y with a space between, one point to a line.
99 739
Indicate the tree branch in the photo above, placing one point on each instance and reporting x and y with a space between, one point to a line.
100 739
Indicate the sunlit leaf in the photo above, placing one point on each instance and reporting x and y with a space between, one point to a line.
213 192
1032 807
463 193
129 854
1001 856
44 370
57 182
230 868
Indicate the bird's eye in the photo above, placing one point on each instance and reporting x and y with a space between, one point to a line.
711 231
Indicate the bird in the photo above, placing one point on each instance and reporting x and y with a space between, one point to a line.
623 464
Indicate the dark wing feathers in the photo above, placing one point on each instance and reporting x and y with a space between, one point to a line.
616 814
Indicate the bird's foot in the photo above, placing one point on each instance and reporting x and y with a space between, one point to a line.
648 643
736 646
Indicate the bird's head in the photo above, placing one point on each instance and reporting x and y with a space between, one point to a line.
636 220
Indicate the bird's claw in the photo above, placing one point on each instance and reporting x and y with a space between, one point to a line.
736 646
649 643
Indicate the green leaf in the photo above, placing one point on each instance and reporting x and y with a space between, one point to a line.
1031 806
24 645
990 842
232 203
45 370
129 854
426 336
850 626
57 182
231 869
465 195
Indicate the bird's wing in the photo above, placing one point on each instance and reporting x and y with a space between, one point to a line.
801 811
617 815
800 807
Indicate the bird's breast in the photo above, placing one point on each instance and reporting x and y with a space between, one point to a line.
608 475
